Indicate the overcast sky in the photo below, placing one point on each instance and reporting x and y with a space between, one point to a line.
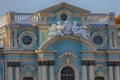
31 6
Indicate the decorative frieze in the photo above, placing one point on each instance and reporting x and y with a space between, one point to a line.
41 63
113 63
13 64
88 62
117 63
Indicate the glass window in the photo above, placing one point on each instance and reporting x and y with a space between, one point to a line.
98 40
99 78
28 78
64 17
27 40
67 73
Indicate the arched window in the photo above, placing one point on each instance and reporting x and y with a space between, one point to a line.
99 78
67 73
28 78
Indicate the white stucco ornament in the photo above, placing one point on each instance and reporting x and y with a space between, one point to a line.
67 28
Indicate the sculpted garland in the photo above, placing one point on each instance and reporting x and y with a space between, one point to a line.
66 29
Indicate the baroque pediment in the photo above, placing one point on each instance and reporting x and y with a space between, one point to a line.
62 6
67 53
67 57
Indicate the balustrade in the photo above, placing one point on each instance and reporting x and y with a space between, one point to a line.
26 18
31 18
98 19
3 21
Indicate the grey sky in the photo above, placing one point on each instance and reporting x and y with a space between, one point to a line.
31 6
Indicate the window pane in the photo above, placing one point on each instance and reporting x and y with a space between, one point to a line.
67 73
99 78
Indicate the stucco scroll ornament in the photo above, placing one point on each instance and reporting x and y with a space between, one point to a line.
56 30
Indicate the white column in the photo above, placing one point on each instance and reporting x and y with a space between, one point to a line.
10 73
17 73
42 72
110 73
51 72
117 73
84 72
91 72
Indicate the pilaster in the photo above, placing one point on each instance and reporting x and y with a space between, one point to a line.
11 66
10 73
90 64
110 40
43 70
115 40
113 66
15 38
84 72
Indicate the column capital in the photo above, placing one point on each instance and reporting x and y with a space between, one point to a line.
113 63
41 63
13 64
92 62
51 62
117 63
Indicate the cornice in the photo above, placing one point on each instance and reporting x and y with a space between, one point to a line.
38 51
113 51
18 51
52 41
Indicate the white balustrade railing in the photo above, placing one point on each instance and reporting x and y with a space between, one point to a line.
26 18
30 18
98 19
3 21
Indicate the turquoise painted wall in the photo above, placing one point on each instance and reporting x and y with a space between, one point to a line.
67 45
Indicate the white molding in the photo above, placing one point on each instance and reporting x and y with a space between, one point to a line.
32 35
29 73
67 59
100 65
98 33
100 73
86 42
27 66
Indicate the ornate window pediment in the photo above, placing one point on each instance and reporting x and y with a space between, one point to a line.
67 57
28 70
67 60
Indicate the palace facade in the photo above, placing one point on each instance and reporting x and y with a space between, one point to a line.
48 45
